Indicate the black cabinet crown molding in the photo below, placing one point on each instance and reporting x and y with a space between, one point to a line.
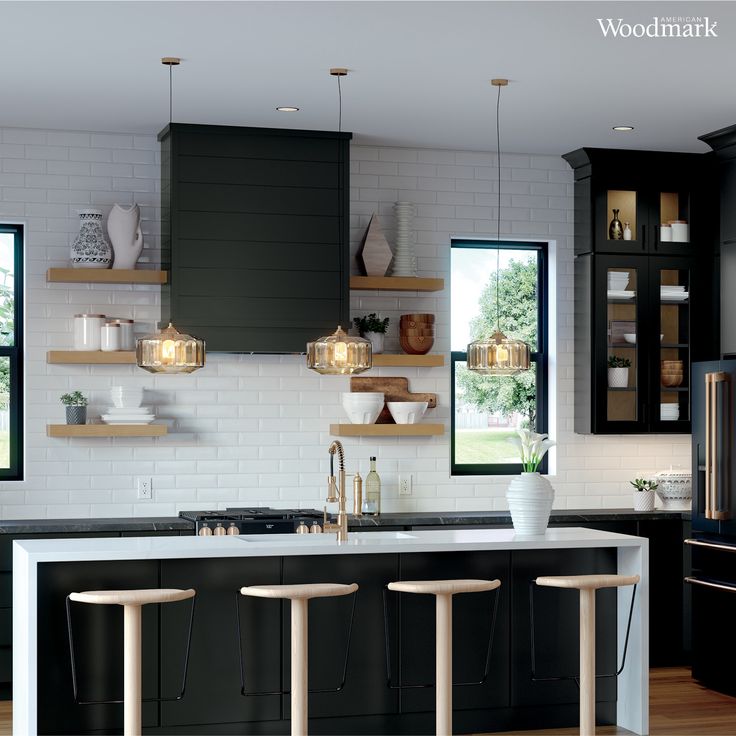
723 142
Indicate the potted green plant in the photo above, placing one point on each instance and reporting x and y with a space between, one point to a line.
372 328
644 494
618 371
76 407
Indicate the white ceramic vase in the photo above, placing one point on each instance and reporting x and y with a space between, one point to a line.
90 249
643 500
530 497
405 262
376 339
618 377
124 229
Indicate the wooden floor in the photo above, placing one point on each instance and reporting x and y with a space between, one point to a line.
678 707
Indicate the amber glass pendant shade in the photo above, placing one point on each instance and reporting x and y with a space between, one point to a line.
498 356
339 354
169 351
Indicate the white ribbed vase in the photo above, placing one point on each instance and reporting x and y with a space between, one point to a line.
530 497
405 261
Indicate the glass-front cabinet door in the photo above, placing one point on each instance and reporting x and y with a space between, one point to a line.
649 221
672 289
621 285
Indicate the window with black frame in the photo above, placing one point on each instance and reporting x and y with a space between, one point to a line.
488 410
11 352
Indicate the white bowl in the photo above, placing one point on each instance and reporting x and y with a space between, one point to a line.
362 410
630 337
407 412
126 398
362 397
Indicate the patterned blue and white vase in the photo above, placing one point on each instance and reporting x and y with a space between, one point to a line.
90 249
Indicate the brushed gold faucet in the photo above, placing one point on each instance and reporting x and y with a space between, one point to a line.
336 493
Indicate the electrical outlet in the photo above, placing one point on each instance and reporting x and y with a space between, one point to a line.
145 489
405 484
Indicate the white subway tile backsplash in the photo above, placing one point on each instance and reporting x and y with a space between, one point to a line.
255 429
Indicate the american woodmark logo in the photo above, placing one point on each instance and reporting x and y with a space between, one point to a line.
660 27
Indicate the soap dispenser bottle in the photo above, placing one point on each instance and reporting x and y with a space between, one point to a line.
372 495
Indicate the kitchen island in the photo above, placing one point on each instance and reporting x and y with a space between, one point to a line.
47 570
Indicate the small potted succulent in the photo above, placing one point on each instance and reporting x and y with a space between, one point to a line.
644 494
372 328
618 371
76 407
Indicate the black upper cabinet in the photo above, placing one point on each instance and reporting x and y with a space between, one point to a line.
649 188
255 235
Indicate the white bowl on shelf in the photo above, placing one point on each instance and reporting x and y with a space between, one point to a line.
123 397
407 412
363 408
630 337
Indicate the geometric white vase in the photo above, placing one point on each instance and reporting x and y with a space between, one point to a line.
124 229
530 497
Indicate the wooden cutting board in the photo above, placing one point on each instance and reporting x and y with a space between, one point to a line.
394 389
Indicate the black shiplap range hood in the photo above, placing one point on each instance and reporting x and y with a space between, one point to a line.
255 235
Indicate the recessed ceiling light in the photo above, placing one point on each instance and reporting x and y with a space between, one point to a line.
287 108
623 128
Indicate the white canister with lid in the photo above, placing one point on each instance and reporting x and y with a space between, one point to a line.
110 337
127 336
87 331
665 233
680 231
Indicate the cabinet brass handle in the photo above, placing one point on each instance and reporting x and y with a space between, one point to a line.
711 545
710 584
713 480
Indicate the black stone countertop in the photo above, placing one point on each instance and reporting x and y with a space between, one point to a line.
490 518
80 526
406 519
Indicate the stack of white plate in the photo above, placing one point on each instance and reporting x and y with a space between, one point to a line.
621 294
130 415
405 262
669 412
127 407
618 280
670 293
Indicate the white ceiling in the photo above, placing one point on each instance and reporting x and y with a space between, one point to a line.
419 70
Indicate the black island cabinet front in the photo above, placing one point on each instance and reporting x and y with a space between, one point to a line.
388 658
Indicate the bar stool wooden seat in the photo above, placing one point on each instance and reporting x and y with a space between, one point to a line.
132 601
443 590
299 596
587 585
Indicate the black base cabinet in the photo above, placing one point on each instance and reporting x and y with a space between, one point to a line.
213 703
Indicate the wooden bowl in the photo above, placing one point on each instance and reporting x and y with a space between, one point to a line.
416 345
418 317
671 380
417 332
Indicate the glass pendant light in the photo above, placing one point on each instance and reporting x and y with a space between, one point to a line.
498 355
169 351
339 354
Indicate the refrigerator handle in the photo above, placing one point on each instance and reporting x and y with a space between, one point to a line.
711 584
717 445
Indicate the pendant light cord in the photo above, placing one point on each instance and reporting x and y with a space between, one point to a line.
498 213
171 94
339 105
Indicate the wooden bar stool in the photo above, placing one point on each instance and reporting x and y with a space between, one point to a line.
443 590
299 596
132 602
587 585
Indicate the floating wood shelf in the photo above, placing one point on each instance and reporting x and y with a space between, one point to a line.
396 283
106 430
403 360
106 276
386 430
92 357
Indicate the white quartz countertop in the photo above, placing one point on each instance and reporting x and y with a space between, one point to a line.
278 545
